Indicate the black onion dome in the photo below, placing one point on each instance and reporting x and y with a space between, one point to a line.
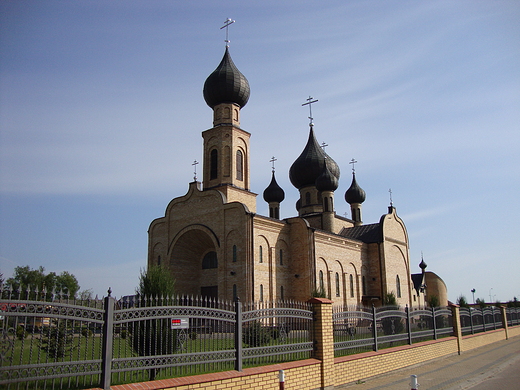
226 84
273 192
326 181
309 166
355 194
422 265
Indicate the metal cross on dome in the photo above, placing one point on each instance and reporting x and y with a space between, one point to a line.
272 160
195 163
353 161
309 103
227 23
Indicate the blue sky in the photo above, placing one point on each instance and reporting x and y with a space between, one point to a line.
101 114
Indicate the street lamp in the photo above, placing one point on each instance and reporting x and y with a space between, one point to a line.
473 292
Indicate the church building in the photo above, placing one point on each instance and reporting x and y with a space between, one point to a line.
215 244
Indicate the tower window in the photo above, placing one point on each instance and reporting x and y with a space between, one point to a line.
281 293
398 286
261 254
351 280
158 260
210 260
240 165
281 257
213 169
261 293
307 198
234 291
234 253
364 285
322 287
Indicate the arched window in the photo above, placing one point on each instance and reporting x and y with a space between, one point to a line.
398 286
261 254
261 293
240 165
337 284
213 165
307 198
281 256
322 287
364 285
210 260
351 286
234 253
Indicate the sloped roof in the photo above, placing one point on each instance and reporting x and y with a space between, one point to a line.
366 233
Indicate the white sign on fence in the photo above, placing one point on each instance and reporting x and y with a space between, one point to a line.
180 323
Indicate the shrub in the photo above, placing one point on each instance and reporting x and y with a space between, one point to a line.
21 333
255 335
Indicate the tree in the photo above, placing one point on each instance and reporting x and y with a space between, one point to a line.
481 303
462 301
154 337
58 341
391 325
433 301
29 281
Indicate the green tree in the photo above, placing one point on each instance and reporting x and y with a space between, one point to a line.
391 325
481 303
154 337
433 301
58 341
31 282
462 301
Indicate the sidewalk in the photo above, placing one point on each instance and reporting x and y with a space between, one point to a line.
494 366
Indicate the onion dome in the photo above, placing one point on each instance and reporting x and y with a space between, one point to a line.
355 194
226 84
422 265
309 166
326 181
273 192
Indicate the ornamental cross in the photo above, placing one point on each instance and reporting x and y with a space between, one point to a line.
391 201
195 163
353 162
227 23
309 103
324 145
272 160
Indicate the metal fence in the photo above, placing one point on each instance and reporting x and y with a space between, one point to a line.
475 320
364 329
49 341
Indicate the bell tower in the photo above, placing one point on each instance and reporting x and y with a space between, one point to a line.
226 145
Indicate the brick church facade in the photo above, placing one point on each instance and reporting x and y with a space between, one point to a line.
215 244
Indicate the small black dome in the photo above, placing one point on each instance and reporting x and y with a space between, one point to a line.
326 181
355 194
226 84
422 265
309 165
273 192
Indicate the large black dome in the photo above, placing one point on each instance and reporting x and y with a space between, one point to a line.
309 166
226 84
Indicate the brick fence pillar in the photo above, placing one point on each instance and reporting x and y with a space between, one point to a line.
324 340
503 311
457 329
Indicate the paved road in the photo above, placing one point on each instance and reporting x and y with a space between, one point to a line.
494 366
